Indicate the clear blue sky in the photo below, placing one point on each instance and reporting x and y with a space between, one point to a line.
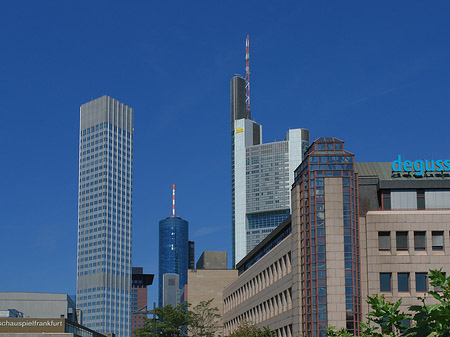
372 73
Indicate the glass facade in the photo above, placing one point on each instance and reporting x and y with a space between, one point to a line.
105 215
261 224
173 251
326 157
267 189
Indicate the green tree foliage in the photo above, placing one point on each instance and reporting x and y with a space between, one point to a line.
205 320
250 330
434 320
201 321
170 322
385 319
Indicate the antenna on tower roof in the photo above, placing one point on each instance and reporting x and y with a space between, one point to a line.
247 73
173 201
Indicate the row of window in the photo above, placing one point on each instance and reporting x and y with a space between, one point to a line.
264 279
403 282
270 308
402 241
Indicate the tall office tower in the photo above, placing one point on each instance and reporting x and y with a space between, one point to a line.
173 253
325 197
262 175
105 215
139 297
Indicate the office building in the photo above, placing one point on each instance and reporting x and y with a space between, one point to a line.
140 281
356 229
105 215
173 254
405 218
38 305
261 175
208 281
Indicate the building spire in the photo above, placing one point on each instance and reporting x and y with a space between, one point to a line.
247 73
173 200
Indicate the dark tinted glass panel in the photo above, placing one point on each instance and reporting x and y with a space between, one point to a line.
419 240
403 281
421 281
402 240
384 240
438 240
385 281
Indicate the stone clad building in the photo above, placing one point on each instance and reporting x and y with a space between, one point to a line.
356 229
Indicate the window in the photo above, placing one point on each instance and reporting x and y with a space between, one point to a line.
421 281
386 200
402 240
437 240
385 281
384 240
403 281
420 199
419 240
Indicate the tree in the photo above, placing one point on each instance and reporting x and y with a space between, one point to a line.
170 322
205 320
250 330
434 319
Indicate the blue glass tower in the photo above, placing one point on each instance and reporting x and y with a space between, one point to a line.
173 251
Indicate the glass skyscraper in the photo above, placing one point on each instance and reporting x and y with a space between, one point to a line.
105 215
261 175
173 252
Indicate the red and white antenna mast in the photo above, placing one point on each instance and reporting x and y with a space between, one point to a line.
173 201
247 73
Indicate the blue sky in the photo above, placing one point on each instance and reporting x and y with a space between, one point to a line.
374 74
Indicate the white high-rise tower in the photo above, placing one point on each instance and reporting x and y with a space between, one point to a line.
105 215
262 175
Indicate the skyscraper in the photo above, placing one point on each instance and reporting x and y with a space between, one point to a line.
262 175
105 215
173 252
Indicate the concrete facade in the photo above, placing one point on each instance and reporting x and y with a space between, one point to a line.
204 285
410 261
334 233
39 305
263 294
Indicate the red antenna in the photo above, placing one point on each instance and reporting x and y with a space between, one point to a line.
247 73
173 201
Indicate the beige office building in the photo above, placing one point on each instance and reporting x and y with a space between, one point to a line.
208 281
356 229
